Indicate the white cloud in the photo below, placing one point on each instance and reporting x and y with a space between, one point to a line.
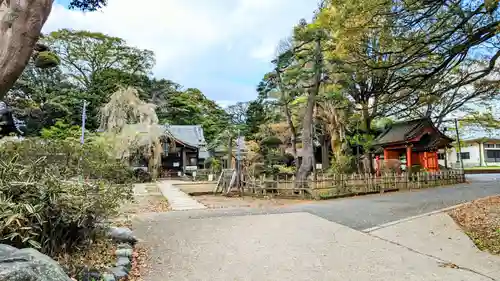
189 35
225 103
265 51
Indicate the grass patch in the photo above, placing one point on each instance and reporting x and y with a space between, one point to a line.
481 222
483 168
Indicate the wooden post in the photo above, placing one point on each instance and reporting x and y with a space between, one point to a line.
382 187
325 159
459 146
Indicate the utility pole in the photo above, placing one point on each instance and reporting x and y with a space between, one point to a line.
459 154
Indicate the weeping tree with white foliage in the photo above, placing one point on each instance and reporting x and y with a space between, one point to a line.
21 22
131 125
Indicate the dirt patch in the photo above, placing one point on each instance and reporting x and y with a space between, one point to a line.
199 188
98 255
148 199
147 204
151 200
220 201
140 264
480 219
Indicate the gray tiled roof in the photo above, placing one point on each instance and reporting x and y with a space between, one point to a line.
191 135
398 132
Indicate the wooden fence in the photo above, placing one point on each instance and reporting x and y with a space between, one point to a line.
202 175
342 185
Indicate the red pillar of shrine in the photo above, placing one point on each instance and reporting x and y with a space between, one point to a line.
436 162
408 158
426 161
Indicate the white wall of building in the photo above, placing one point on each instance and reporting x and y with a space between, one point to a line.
473 159
475 155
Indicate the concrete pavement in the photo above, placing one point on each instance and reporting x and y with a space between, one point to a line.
178 200
440 237
306 241
294 246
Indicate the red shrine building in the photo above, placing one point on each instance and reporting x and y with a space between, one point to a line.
414 142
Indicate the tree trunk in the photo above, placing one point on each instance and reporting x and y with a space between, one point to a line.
230 154
367 129
325 155
307 134
293 132
307 142
20 25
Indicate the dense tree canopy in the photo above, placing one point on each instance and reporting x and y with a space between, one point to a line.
335 81
92 66
360 63
21 24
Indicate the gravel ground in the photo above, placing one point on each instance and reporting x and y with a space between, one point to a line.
220 201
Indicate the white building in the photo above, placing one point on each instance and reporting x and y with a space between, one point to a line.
480 152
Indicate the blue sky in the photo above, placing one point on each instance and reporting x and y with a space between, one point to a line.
222 47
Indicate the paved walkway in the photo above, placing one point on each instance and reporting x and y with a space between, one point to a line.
306 241
178 200
297 246
440 237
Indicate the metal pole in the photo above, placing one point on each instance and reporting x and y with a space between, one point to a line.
459 154
357 148
313 132
84 116
82 138
238 157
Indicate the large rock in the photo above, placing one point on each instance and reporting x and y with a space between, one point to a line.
122 234
124 253
28 265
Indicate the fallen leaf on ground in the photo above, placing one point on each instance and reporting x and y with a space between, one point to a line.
480 219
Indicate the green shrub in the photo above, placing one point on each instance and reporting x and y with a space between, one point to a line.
70 159
61 131
271 142
41 203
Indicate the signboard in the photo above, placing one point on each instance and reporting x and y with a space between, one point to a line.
191 168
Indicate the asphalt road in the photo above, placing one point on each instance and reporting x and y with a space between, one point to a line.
483 177
368 211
